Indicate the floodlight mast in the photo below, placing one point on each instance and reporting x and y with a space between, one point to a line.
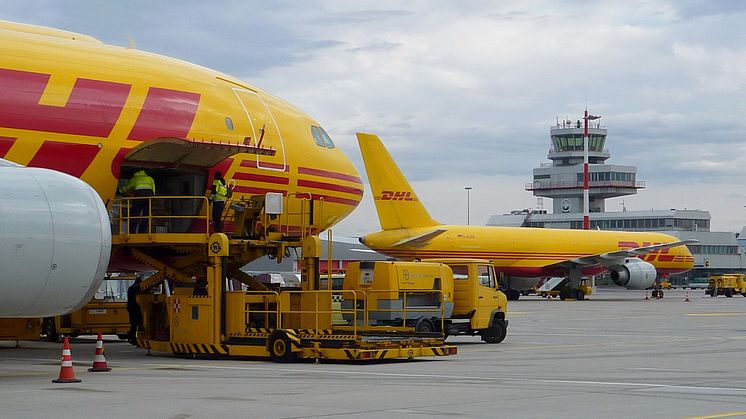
586 198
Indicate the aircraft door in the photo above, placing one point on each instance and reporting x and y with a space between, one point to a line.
263 129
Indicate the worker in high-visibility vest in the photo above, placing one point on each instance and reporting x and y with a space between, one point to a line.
218 197
143 186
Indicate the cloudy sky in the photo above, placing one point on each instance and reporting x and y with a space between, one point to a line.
463 93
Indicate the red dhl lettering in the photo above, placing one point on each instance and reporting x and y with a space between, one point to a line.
92 108
396 196
662 255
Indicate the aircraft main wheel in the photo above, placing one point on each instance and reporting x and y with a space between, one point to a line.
280 349
424 326
512 295
496 333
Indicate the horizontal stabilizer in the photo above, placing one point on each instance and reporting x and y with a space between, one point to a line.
421 239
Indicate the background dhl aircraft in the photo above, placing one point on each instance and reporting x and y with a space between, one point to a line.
409 232
97 113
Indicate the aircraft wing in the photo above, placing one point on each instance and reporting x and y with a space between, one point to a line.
420 240
612 258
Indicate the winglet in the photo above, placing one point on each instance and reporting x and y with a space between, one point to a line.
396 203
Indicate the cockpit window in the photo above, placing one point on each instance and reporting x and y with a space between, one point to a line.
321 137
316 132
327 139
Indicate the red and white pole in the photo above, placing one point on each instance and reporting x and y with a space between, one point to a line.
586 197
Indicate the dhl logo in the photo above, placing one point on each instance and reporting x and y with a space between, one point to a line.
92 108
397 196
662 255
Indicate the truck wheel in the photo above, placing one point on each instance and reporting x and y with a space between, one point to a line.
579 295
512 295
123 336
729 293
496 333
279 348
49 329
424 326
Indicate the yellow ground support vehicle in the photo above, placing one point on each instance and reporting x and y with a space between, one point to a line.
727 285
450 296
20 329
106 313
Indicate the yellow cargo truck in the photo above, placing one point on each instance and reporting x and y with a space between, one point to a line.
105 313
448 296
727 285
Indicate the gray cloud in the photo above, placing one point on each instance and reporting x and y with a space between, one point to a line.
465 92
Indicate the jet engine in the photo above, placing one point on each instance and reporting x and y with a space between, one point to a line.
634 274
55 241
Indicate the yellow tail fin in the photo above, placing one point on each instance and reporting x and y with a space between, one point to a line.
396 202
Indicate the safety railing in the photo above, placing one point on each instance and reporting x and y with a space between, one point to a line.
316 311
402 308
160 214
297 219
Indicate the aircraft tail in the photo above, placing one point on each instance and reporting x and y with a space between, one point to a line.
396 203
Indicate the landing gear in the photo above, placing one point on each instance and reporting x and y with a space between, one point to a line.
579 295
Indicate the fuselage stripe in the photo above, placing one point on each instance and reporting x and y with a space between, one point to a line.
328 174
330 187
261 178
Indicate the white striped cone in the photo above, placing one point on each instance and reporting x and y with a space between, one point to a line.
99 361
67 375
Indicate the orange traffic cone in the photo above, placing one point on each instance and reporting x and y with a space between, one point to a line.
67 375
99 361
686 297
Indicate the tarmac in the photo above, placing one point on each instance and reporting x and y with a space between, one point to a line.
615 355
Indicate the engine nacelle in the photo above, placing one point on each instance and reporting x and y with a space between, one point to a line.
634 274
55 241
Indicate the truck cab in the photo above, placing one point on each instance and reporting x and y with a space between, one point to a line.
479 307
449 296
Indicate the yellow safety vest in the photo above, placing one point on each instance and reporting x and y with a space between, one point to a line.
221 192
140 180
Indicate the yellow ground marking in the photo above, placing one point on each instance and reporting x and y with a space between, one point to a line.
719 415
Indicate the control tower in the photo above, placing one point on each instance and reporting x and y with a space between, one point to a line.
562 179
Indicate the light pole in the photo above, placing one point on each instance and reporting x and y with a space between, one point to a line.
586 199
468 190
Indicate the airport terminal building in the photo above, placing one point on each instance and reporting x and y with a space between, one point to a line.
562 181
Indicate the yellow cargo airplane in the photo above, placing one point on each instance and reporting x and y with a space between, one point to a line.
98 113
634 259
